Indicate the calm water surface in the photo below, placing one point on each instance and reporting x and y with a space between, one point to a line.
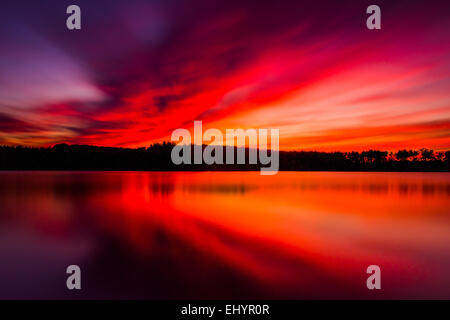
224 235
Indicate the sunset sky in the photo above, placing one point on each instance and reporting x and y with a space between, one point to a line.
137 70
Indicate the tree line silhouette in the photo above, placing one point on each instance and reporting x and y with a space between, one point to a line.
157 157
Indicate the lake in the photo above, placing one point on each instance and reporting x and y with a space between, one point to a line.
163 235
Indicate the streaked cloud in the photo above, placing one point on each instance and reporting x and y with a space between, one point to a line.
138 70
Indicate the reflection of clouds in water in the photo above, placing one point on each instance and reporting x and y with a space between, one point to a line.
292 235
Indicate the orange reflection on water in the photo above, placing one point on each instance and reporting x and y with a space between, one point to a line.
291 235
295 229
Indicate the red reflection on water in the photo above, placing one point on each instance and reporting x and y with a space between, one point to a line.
292 235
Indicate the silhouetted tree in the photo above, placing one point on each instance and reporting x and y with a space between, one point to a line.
403 155
440 156
427 154
447 156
